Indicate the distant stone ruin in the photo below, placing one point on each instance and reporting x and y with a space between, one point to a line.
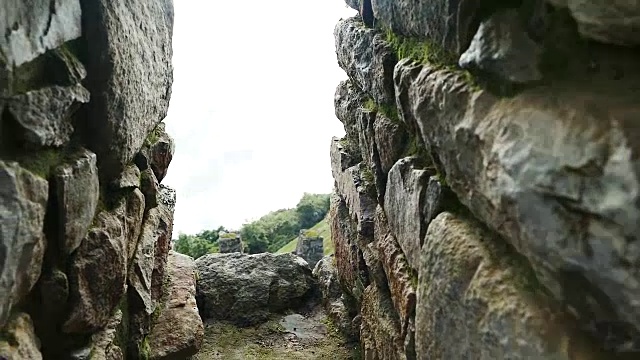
310 247
230 242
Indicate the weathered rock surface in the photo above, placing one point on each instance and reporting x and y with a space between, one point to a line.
103 346
159 149
246 288
400 277
130 75
366 58
229 243
23 199
615 22
310 247
178 331
405 204
98 269
380 329
45 114
18 339
326 275
32 28
77 192
555 171
352 271
502 48
469 285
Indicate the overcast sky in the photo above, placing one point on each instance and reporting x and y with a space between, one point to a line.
251 110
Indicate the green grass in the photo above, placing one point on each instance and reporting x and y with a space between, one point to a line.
323 229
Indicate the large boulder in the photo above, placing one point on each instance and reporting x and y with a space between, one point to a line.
246 288
77 192
23 200
129 75
158 151
178 332
608 21
476 297
98 268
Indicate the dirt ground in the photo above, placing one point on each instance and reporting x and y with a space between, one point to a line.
286 337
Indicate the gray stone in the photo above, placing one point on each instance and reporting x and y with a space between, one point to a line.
45 115
77 192
502 48
141 269
98 269
555 171
614 21
149 187
477 297
404 73
437 198
352 271
405 204
129 178
310 247
167 197
246 288
366 58
178 332
327 277
23 200
31 28
434 20
391 139
103 345
400 277
130 75
380 335
18 339
159 149
354 185
132 220
229 243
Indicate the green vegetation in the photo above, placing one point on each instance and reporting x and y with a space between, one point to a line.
388 110
44 162
267 234
323 229
422 51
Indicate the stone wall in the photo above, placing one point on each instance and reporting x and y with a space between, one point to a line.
487 190
310 247
85 226
230 242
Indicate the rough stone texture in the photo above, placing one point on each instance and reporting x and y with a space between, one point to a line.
400 276
23 199
615 21
229 243
435 20
129 75
502 48
380 329
310 247
159 150
352 271
132 221
18 339
332 297
45 114
29 29
246 288
366 58
129 178
178 332
405 204
98 270
404 73
470 285
102 342
355 190
149 187
390 140
77 192
349 102
162 235
555 171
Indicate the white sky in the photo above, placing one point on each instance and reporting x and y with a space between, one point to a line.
251 110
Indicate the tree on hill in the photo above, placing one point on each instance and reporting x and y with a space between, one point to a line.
269 233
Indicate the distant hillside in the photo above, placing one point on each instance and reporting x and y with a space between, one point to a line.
323 229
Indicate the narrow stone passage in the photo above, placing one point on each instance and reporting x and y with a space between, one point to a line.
294 336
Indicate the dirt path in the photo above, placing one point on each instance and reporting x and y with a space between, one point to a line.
292 336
